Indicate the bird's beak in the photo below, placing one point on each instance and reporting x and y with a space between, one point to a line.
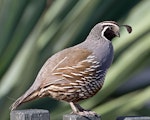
117 33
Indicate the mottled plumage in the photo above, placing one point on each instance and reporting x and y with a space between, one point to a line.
78 72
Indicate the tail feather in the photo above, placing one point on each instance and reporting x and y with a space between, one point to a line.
16 103
24 98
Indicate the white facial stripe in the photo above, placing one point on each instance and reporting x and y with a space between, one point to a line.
106 26
109 24
104 31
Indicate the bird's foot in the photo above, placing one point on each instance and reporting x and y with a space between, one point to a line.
78 110
87 113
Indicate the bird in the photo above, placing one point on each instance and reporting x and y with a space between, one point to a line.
76 73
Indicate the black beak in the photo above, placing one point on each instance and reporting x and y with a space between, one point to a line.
117 34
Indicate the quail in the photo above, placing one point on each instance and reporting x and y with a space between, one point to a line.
78 72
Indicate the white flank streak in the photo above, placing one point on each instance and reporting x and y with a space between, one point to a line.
91 57
95 66
91 74
59 64
79 81
57 73
81 94
98 77
71 90
91 70
74 84
94 62
65 75
65 68
88 78
76 74
67 87
77 86
78 66
78 90
83 78
87 69
99 71
69 68
56 88
82 84
82 72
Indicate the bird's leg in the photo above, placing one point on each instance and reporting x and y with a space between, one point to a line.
74 108
77 109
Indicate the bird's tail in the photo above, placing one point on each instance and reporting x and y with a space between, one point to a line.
28 96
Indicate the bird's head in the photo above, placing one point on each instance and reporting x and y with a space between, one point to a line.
108 30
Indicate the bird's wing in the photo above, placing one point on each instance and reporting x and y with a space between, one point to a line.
75 70
67 66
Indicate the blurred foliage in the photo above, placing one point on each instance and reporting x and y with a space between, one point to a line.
32 30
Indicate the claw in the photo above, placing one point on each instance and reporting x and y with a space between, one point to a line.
77 109
88 113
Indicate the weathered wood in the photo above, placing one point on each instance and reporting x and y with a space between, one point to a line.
30 114
79 117
134 118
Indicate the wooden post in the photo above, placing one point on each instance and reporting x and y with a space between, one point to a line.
79 117
30 114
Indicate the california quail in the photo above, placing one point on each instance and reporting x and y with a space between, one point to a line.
78 72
